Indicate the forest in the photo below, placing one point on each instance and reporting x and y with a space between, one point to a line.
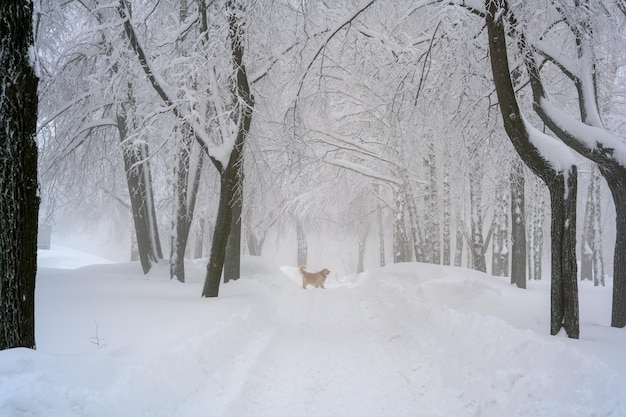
486 135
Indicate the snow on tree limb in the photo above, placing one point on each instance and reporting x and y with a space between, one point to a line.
583 136
363 170
555 152
219 154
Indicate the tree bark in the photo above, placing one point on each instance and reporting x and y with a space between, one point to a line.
500 247
518 226
185 195
19 204
232 263
476 243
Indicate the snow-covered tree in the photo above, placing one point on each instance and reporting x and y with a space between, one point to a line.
557 171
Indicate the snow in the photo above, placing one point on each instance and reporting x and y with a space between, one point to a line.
405 340
558 155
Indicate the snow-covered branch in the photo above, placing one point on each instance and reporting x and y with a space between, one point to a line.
341 24
363 170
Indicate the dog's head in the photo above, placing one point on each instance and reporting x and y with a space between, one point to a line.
325 272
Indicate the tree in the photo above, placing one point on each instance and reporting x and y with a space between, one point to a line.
588 136
89 89
518 225
19 206
591 263
561 183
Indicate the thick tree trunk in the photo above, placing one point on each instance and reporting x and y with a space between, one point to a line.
616 179
223 223
19 204
564 287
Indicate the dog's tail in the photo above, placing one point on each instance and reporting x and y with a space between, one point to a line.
301 268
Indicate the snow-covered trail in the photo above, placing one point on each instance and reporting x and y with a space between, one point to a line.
384 343
332 354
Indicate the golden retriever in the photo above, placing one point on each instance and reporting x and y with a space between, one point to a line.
316 279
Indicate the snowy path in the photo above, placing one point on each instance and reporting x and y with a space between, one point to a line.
382 344
330 356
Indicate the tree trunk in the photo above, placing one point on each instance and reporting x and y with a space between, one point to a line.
381 235
432 242
518 226
459 242
591 264
360 265
401 246
223 223
255 244
616 179
136 163
185 198
19 205
232 262
198 250
477 243
500 247
302 245
536 221
564 287
447 238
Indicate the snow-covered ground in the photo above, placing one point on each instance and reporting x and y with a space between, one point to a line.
405 340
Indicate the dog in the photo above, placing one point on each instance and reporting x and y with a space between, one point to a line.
316 279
